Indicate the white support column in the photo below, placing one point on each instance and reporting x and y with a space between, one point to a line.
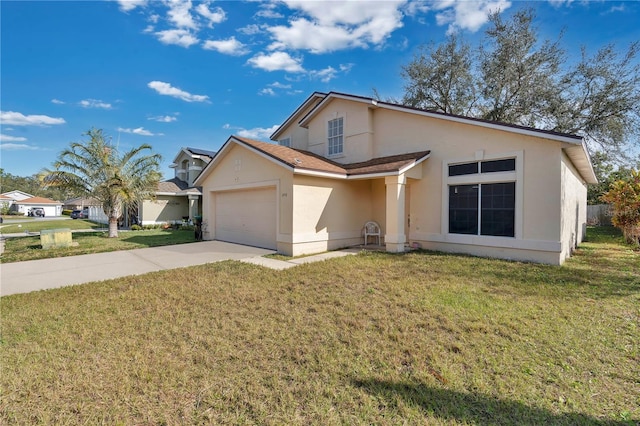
193 206
395 238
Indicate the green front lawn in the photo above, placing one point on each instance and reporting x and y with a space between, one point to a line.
29 248
421 338
39 225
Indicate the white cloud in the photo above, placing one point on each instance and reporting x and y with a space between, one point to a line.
94 103
343 25
258 132
139 131
214 17
178 37
267 91
268 10
324 75
250 29
230 46
467 15
9 138
168 90
164 118
19 119
180 14
345 68
560 3
276 61
17 147
278 85
57 101
128 5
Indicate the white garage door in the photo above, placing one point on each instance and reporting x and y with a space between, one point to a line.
247 217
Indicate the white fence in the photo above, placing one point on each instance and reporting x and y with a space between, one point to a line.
599 215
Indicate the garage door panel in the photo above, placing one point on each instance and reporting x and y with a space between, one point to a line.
247 217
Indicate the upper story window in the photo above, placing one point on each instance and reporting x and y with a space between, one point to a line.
335 134
185 170
285 142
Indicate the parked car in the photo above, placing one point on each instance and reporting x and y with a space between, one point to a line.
36 211
80 214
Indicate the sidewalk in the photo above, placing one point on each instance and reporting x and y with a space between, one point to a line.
44 274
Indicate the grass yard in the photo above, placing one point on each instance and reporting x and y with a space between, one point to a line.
38 225
377 338
29 248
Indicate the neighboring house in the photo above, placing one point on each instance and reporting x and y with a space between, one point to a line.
177 199
50 207
16 195
79 203
6 203
431 180
21 202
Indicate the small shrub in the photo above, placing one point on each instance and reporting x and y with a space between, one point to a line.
136 227
66 212
624 196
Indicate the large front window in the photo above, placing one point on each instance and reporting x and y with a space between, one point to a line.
335 136
484 207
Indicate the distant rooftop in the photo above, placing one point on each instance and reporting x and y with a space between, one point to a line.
198 151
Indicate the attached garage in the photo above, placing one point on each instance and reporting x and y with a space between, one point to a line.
247 217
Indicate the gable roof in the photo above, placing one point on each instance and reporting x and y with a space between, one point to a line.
17 195
176 186
172 185
315 97
38 200
308 163
82 201
575 145
194 153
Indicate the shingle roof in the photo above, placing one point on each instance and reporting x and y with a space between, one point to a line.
304 160
172 185
38 200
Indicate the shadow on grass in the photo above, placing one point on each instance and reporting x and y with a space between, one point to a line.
159 238
475 408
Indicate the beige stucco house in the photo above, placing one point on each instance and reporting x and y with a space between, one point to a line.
177 199
429 179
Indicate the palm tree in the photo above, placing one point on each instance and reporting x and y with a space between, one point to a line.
96 169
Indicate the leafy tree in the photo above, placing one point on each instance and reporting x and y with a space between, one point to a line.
31 185
514 77
95 168
516 73
607 173
439 78
624 196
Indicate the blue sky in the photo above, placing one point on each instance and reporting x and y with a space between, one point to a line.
186 73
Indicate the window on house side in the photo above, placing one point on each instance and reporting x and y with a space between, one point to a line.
285 142
335 135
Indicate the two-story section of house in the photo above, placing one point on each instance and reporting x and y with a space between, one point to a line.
430 180
177 199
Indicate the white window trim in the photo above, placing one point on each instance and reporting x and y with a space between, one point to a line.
344 139
480 178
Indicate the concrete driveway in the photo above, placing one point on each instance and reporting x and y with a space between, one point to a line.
33 275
